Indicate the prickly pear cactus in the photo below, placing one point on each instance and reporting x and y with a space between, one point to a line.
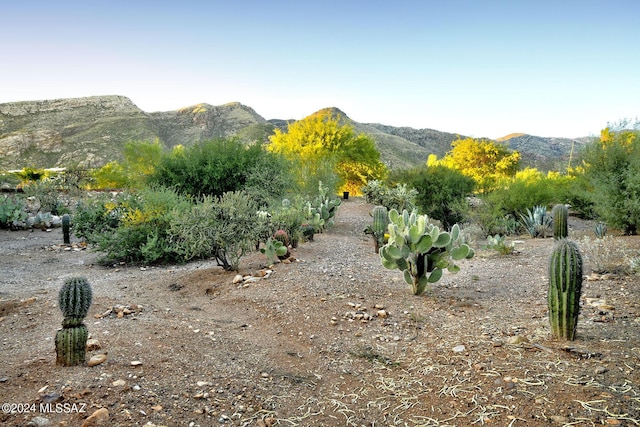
74 299
560 213
565 287
420 250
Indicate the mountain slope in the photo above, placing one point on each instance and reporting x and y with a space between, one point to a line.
91 131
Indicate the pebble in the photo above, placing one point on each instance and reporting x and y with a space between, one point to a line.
39 422
97 359
118 383
458 349
601 370
93 344
99 417
559 419
136 363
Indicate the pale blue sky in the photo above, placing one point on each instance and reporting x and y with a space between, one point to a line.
482 68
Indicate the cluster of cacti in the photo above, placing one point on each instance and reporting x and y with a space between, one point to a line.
74 300
420 250
66 225
560 214
565 287
322 211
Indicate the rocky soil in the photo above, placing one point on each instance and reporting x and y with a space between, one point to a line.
329 339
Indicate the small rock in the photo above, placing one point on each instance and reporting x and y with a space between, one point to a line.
559 419
51 397
118 383
517 339
136 363
458 349
99 417
93 344
39 422
601 370
382 313
97 359
237 279
203 383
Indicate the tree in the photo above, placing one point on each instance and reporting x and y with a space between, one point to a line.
321 145
481 159
139 161
612 168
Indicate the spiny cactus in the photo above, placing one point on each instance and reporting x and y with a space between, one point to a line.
66 223
380 221
74 299
71 345
565 287
282 236
420 250
560 213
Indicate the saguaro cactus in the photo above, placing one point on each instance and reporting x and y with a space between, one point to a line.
560 213
380 221
74 300
565 287
420 250
66 225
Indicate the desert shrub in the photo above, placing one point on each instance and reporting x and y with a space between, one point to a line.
132 227
222 227
441 192
12 211
609 255
398 197
612 170
46 195
499 244
138 163
219 166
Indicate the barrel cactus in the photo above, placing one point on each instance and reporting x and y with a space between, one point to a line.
420 250
74 300
565 287
560 213
66 225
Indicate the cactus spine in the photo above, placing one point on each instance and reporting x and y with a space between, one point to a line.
66 223
559 213
74 300
380 221
565 287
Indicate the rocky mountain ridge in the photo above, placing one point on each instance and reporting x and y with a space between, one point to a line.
91 131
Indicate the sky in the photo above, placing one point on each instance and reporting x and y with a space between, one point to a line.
484 68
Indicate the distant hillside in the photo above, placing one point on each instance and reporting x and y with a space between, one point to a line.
92 131
544 153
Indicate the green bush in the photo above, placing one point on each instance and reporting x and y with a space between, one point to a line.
12 211
399 197
441 192
219 166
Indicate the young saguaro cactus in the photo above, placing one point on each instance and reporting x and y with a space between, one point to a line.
66 225
565 288
379 227
560 213
420 250
74 299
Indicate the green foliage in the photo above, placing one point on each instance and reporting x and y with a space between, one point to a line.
321 145
537 223
12 212
46 196
289 217
223 165
132 227
612 171
31 174
559 215
399 197
565 287
420 250
486 161
320 213
219 227
441 192
139 162
379 227
499 244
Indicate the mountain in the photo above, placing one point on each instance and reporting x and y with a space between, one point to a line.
91 131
